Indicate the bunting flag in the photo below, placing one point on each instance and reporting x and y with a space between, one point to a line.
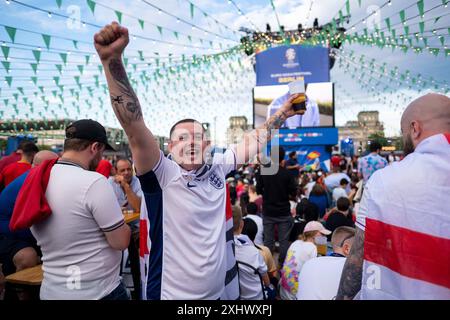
11 32
91 5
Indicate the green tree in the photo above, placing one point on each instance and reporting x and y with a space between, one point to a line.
377 137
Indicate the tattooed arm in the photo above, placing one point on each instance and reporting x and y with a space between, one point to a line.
255 140
351 276
110 43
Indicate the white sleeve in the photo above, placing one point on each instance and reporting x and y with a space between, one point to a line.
101 201
316 122
262 267
363 209
138 189
313 253
165 171
226 159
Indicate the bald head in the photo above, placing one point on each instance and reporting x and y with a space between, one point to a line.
425 117
41 156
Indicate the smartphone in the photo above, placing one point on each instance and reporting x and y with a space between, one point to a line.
298 87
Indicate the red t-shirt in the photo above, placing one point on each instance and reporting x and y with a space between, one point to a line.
6 160
12 171
104 167
335 160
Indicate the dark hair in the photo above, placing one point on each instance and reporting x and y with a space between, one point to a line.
281 154
250 229
292 154
374 146
252 208
29 148
75 144
343 204
343 181
187 120
317 190
311 212
243 201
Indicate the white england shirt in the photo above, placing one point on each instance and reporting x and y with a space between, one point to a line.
187 229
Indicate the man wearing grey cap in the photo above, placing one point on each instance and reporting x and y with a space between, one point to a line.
82 239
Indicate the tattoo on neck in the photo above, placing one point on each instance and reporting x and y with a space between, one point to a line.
351 277
126 104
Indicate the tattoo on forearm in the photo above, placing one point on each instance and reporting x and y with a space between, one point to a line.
351 276
126 104
274 122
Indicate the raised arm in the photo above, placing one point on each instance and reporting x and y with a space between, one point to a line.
110 43
255 140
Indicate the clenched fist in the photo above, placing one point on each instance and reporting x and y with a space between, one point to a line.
111 41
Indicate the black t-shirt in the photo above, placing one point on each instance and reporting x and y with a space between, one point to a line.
337 219
292 162
276 190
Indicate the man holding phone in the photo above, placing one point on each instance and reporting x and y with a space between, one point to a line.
307 110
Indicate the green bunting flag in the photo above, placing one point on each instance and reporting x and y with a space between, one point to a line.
8 80
175 34
63 57
402 16
59 3
5 50
86 58
347 7
6 65
47 39
141 23
37 55
119 16
406 28
11 32
75 44
141 55
80 68
59 68
159 30
420 7
388 23
359 3
192 10
34 79
56 79
91 5
421 26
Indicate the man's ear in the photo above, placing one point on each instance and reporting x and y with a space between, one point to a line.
417 129
346 249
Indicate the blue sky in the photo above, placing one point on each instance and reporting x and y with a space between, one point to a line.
210 94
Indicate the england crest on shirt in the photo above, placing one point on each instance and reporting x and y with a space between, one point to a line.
215 180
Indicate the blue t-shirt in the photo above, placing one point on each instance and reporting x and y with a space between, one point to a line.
7 201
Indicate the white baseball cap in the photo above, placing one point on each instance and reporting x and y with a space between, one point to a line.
316 226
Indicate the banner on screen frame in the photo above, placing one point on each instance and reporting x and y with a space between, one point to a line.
285 64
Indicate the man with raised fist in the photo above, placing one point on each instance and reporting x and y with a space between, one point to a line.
184 214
